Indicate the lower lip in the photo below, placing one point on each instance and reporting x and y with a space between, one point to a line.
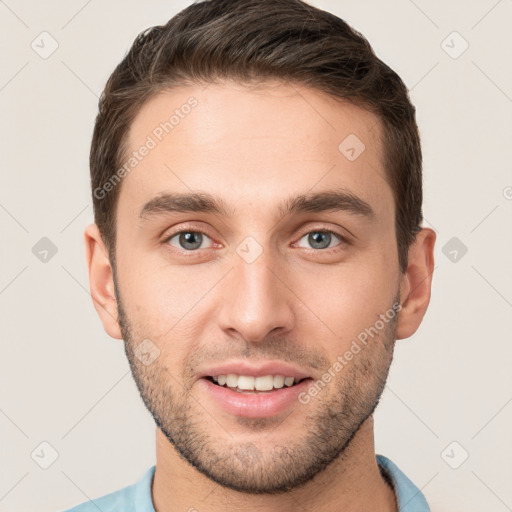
254 405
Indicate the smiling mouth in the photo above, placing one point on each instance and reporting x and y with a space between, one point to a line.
254 385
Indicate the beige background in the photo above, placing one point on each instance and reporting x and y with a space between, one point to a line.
63 381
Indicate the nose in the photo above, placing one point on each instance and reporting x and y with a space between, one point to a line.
256 299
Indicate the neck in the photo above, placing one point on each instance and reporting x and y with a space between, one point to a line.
351 483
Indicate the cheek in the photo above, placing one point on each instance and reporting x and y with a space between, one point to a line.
348 298
162 302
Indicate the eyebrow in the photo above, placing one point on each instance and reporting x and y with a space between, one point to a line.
202 202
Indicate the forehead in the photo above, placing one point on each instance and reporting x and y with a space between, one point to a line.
247 144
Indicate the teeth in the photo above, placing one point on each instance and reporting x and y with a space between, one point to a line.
265 383
232 380
288 381
245 382
250 383
278 381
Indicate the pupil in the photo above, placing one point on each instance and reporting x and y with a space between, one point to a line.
190 240
317 238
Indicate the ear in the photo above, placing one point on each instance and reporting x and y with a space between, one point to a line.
416 283
101 281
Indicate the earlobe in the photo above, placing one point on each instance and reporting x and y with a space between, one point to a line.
101 281
415 287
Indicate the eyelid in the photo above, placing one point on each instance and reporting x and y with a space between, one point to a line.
184 227
324 229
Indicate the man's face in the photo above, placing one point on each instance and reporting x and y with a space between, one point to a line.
257 290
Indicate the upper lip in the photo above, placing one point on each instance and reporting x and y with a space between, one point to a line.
255 369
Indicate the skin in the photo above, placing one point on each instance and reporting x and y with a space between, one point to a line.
255 147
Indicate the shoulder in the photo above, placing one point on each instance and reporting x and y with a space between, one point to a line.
408 496
132 498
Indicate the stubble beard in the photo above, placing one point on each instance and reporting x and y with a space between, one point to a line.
258 466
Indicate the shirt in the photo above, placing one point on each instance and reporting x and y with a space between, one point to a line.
137 497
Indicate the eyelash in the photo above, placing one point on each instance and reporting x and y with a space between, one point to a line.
191 253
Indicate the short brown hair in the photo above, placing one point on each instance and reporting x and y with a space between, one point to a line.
253 41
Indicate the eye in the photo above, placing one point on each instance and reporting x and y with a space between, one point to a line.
188 240
322 239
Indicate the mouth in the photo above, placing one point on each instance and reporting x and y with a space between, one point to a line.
252 396
253 389
249 384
